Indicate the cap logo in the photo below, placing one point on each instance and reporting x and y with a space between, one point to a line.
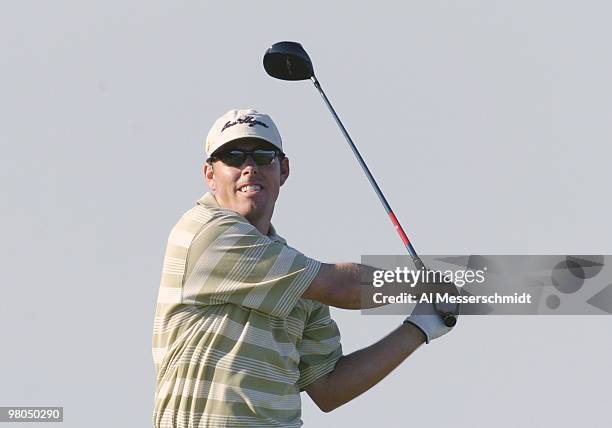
249 120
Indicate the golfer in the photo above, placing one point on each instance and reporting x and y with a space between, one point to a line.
242 322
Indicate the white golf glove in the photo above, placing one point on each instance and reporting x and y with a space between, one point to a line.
432 324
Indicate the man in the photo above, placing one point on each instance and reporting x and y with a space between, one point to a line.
242 322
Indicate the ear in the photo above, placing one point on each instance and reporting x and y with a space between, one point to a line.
284 170
209 176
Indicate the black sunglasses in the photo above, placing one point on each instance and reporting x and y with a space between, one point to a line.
237 157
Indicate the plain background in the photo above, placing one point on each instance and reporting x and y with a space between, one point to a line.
487 124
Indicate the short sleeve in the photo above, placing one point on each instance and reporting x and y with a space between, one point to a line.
320 348
230 261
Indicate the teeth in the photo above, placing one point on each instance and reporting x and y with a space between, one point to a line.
251 188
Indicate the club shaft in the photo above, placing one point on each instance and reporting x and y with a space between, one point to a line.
379 193
398 227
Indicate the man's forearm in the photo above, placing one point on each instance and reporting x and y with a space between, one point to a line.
339 285
357 372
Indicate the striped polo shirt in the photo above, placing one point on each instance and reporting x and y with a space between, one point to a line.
233 341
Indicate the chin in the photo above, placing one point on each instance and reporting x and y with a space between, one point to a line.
249 211
254 213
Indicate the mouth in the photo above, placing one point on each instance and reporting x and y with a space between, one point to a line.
250 188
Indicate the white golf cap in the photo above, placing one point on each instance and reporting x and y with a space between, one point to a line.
237 124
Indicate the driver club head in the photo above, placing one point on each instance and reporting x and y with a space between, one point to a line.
288 61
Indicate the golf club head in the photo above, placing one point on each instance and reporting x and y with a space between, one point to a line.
288 61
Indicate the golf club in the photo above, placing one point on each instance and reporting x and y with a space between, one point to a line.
289 61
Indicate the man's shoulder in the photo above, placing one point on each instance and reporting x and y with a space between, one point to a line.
206 212
203 215
208 203
203 224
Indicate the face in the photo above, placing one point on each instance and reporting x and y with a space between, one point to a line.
250 190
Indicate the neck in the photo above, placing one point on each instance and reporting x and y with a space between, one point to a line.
262 224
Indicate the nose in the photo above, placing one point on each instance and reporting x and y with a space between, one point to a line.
249 166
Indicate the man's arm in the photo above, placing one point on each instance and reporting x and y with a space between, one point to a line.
357 372
338 285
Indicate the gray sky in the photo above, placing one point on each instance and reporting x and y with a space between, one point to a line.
487 124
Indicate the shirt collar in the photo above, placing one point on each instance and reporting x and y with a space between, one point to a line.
209 201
